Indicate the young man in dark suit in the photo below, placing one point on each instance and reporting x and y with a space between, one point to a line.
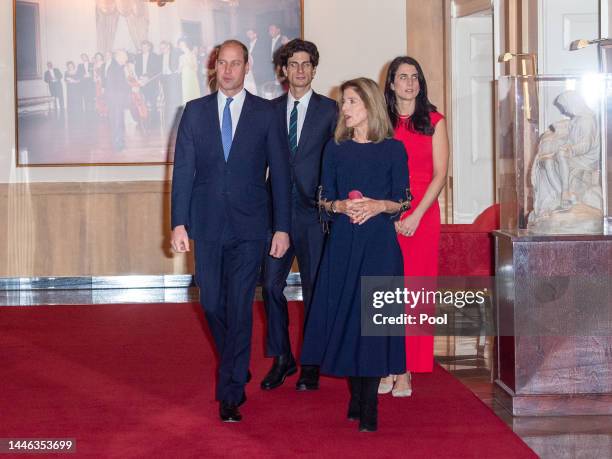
277 39
53 77
226 141
308 121
170 83
86 82
261 64
148 68
117 94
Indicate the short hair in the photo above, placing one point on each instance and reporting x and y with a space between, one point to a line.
295 46
245 50
379 125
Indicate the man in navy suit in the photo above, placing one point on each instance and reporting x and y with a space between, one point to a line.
226 141
171 84
148 68
308 121
53 77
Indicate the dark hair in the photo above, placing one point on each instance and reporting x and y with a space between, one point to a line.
242 46
419 121
297 45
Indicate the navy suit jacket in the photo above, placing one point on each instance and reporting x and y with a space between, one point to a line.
208 193
305 165
154 66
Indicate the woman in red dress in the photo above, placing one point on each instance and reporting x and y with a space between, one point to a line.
423 131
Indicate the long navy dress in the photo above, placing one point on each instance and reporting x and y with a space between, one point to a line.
332 337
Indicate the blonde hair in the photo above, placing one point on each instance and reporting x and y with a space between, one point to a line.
379 125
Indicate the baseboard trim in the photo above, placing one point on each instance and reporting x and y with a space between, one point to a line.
109 282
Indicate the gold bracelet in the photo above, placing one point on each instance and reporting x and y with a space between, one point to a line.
332 207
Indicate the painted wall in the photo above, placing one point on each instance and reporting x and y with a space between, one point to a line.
355 38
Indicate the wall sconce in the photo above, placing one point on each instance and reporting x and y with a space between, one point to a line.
602 44
161 2
529 88
582 43
507 57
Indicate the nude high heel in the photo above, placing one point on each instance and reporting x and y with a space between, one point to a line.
386 384
404 392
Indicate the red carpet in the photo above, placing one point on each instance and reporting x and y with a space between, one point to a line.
137 381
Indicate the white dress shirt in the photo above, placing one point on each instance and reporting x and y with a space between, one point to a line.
301 109
235 108
166 64
145 63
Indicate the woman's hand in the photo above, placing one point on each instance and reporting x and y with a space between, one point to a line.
342 206
361 210
408 226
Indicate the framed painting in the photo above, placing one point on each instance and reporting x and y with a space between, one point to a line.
104 82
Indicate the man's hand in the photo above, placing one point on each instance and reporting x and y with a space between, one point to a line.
280 244
179 239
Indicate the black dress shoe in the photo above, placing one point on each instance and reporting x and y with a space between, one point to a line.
368 416
283 366
354 408
309 378
228 412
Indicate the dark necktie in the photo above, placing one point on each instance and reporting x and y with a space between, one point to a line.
226 128
293 140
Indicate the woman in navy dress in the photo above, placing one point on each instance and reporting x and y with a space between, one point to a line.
363 156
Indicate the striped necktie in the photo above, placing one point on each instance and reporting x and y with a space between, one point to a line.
293 140
226 128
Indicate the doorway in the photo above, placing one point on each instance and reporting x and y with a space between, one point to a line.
472 114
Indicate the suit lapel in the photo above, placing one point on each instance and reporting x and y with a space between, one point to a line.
309 122
282 114
282 111
212 119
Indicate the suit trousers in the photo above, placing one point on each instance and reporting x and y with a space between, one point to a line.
307 245
227 273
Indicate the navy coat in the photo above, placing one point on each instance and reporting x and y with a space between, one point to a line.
208 193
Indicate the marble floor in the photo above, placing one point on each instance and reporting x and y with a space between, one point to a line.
469 358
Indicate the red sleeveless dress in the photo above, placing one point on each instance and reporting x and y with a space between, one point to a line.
420 251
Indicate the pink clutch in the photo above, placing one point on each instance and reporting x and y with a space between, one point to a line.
355 194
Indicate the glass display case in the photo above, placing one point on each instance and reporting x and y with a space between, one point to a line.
553 153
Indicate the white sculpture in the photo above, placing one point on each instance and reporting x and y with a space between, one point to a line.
566 174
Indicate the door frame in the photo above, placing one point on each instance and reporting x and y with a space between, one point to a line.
456 9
